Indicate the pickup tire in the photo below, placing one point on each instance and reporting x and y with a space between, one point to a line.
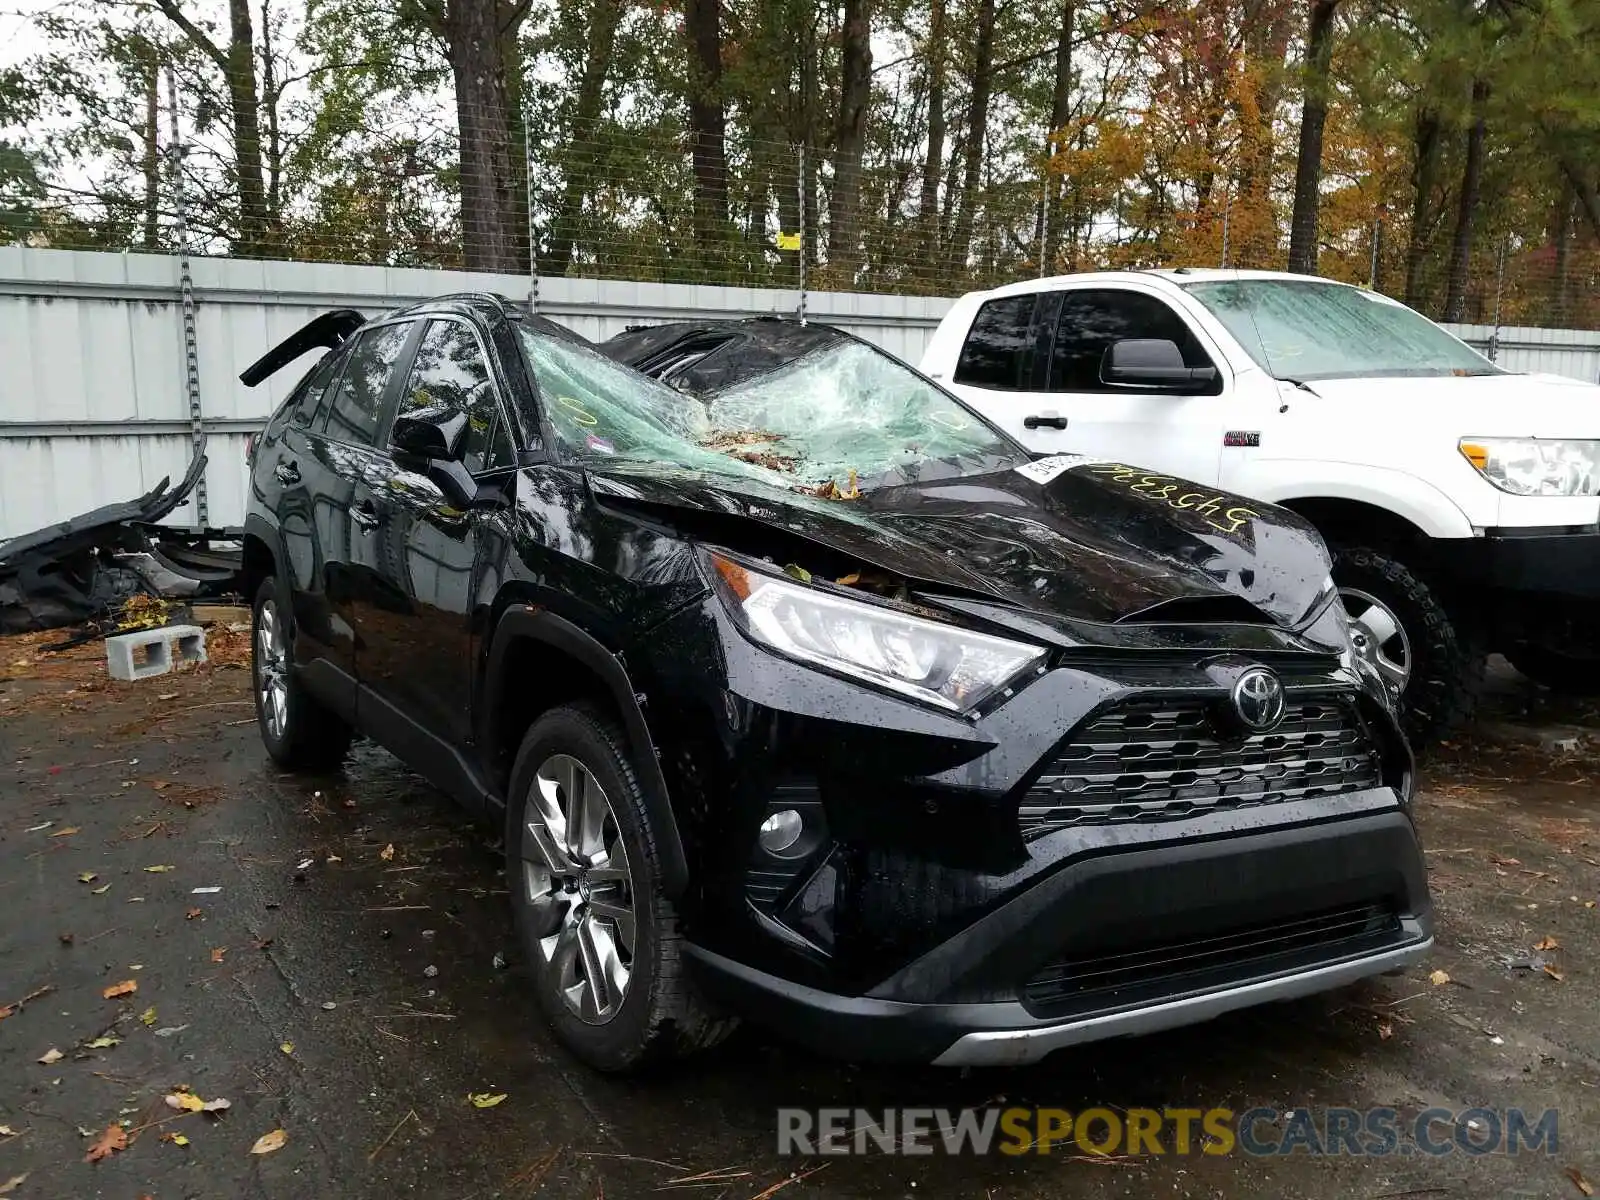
299 731
1571 675
1446 664
583 866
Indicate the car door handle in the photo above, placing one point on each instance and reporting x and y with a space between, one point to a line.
286 473
1053 420
365 516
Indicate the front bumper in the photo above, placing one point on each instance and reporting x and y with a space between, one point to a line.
1127 936
1564 564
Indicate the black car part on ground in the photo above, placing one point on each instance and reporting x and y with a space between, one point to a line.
68 573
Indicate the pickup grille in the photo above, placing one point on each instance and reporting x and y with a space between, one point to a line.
1160 759
1133 973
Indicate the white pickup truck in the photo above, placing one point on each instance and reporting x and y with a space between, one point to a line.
1460 500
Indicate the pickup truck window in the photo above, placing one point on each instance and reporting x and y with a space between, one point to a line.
997 344
1306 329
1091 320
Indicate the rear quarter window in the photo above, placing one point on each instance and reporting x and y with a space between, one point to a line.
997 344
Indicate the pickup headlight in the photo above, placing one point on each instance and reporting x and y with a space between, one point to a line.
1536 466
938 664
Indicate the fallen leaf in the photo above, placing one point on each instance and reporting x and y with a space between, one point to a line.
1438 978
88 877
485 1099
7 1131
217 952
177 1139
113 1139
66 939
170 1030
148 1016
184 1101
159 870
1506 862
6 1010
286 1047
126 988
67 832
12 1184
268 1142
102 1043
1385 1030
387 852
101 890
1579 1182
51 1055
1547 943
215 1106
159 785
191 914
1553 973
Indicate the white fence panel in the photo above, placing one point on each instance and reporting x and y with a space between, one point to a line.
93 406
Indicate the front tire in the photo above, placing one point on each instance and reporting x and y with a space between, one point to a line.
584 870
299 732
1402 627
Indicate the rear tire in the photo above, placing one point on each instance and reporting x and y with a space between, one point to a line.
1444 665
584 867
298 730
1568 674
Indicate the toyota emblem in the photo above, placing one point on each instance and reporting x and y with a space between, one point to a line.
1258 699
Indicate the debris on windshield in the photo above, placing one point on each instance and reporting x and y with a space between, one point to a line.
796 571
830 490
751 446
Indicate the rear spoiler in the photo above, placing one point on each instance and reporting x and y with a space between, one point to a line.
329 330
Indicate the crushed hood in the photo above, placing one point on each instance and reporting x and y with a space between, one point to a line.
1063 537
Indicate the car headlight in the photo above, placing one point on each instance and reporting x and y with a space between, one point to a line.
1536 466
938 664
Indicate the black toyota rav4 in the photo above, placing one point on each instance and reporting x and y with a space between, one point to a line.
803 695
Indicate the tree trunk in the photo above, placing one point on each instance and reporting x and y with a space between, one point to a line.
517 134
1424 174
1060 114
602 27
1455 299
933 165
702 27
1313 118
1588 195
1566 206
151 164
849 138
977 129
472 33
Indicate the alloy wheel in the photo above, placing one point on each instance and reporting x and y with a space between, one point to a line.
1378 636
580 888
272 667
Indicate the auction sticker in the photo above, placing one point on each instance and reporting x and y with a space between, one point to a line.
1043 470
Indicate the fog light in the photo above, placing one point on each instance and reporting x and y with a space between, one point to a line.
780 831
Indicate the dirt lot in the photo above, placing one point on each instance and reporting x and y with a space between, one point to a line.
349 994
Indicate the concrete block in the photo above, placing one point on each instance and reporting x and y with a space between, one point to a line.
148 652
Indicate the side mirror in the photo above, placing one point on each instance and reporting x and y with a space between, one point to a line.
1152 363
430 435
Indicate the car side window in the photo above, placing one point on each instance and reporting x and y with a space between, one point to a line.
303 406
997 344
451 371
1091 320
356 408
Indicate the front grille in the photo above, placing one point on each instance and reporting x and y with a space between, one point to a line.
1169 968
1159 759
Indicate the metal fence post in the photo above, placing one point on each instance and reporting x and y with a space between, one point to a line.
191 353
803 240
1499 287
1227 212
1377 237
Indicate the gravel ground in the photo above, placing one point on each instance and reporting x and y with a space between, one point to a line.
339 983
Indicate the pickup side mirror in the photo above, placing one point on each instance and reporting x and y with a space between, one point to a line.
430 435
1152 363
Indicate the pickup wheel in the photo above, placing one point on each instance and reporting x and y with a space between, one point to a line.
299 732
1401 626
600 940
1569 674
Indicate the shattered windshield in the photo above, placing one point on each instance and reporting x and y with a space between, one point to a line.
1303 329
832 422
